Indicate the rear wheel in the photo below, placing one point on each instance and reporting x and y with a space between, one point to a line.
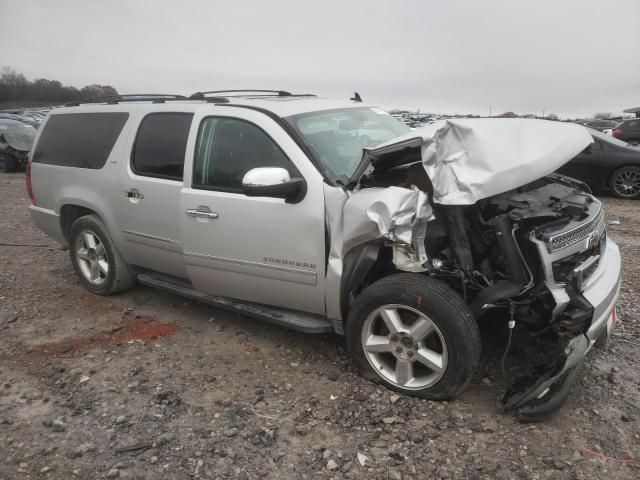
95 259
415 335
625 183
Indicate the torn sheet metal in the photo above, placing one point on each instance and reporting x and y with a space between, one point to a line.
388 213
471 159
398 215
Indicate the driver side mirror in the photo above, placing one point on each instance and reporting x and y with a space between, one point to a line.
273 182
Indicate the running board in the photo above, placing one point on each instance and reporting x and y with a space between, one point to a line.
300 321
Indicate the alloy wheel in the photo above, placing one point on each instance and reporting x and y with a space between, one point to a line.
404 346
92 257
627 183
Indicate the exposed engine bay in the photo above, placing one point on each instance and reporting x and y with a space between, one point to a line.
518 258
474 203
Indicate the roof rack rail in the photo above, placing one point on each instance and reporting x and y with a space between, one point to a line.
202 96
136 97
280 93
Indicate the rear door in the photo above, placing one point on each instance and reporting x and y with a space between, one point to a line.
149 197
257 249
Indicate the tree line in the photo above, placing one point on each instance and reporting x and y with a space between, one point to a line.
14 86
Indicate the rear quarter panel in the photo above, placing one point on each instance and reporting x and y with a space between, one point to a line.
55 186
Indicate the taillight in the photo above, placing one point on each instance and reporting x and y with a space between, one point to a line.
617 132
27 172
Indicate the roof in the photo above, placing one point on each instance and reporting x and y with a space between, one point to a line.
282 106
632 110
287 106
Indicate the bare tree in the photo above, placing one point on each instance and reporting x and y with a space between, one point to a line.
93 91
14 86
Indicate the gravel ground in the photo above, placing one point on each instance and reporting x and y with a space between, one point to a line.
150 385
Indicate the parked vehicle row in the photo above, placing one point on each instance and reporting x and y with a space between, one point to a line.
628 131
16 139
264 202
599 125
608 165
33 117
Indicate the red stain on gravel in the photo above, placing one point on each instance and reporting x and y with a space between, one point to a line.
142 327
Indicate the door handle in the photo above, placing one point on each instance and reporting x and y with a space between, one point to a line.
201 213
133 193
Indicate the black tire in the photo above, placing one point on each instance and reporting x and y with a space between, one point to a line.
10 164
119 276
444 307
634 142
616 183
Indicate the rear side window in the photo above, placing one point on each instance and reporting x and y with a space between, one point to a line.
82 140
161 145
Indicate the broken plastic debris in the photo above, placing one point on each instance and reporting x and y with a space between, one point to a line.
614 222
362 459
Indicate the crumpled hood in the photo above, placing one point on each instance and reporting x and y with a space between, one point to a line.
471 159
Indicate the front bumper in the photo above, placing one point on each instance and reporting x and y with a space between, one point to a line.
549 391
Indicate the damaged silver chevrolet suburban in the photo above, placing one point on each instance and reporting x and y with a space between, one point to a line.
289 208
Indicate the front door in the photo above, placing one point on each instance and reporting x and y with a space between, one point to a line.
257 249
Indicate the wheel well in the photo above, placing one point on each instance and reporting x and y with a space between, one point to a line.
69 214
363 266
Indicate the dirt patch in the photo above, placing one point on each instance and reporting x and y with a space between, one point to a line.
142 327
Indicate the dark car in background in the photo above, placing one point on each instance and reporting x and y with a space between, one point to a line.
599 125
607 165
628 131
16 139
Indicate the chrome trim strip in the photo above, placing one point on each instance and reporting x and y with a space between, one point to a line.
251 264
152 237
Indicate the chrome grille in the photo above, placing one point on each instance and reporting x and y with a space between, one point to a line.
577 234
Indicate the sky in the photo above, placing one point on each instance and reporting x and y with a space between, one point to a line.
569 57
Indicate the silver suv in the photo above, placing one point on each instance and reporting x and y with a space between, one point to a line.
329 215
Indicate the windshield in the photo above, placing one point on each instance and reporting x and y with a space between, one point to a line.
337 137
17 131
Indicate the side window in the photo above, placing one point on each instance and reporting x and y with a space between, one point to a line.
161 145
228 148
81 140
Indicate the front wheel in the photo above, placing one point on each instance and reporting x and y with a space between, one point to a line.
415 335
625 183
